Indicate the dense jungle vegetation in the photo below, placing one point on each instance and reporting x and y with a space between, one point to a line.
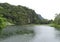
20 15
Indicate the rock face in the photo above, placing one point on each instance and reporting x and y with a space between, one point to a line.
19 15
40 17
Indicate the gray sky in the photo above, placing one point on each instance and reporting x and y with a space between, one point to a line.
47 8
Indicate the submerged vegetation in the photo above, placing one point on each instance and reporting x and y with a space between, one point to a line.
15 30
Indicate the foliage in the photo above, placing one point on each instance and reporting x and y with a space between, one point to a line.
2 22
57 19
18 15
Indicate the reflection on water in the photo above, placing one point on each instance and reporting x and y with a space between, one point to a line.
58 35
43 33
19 38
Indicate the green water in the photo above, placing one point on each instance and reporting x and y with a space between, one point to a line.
42 33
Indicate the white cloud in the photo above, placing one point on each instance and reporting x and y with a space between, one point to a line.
47 8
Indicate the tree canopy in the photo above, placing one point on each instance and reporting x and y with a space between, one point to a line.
57 19
19 14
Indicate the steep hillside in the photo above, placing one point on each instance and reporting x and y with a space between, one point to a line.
18 14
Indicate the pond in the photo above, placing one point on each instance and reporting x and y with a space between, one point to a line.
42 33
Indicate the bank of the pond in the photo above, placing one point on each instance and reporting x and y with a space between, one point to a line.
55 25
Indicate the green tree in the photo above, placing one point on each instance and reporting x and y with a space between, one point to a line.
57 19
2 22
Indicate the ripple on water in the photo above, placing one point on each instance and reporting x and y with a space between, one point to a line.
42 34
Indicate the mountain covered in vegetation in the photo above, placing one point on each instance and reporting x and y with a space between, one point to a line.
19 15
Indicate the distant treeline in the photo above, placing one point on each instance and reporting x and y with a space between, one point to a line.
57 19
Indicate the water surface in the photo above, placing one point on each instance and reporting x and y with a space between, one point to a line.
42 33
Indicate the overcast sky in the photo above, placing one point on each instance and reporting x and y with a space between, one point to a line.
47 8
